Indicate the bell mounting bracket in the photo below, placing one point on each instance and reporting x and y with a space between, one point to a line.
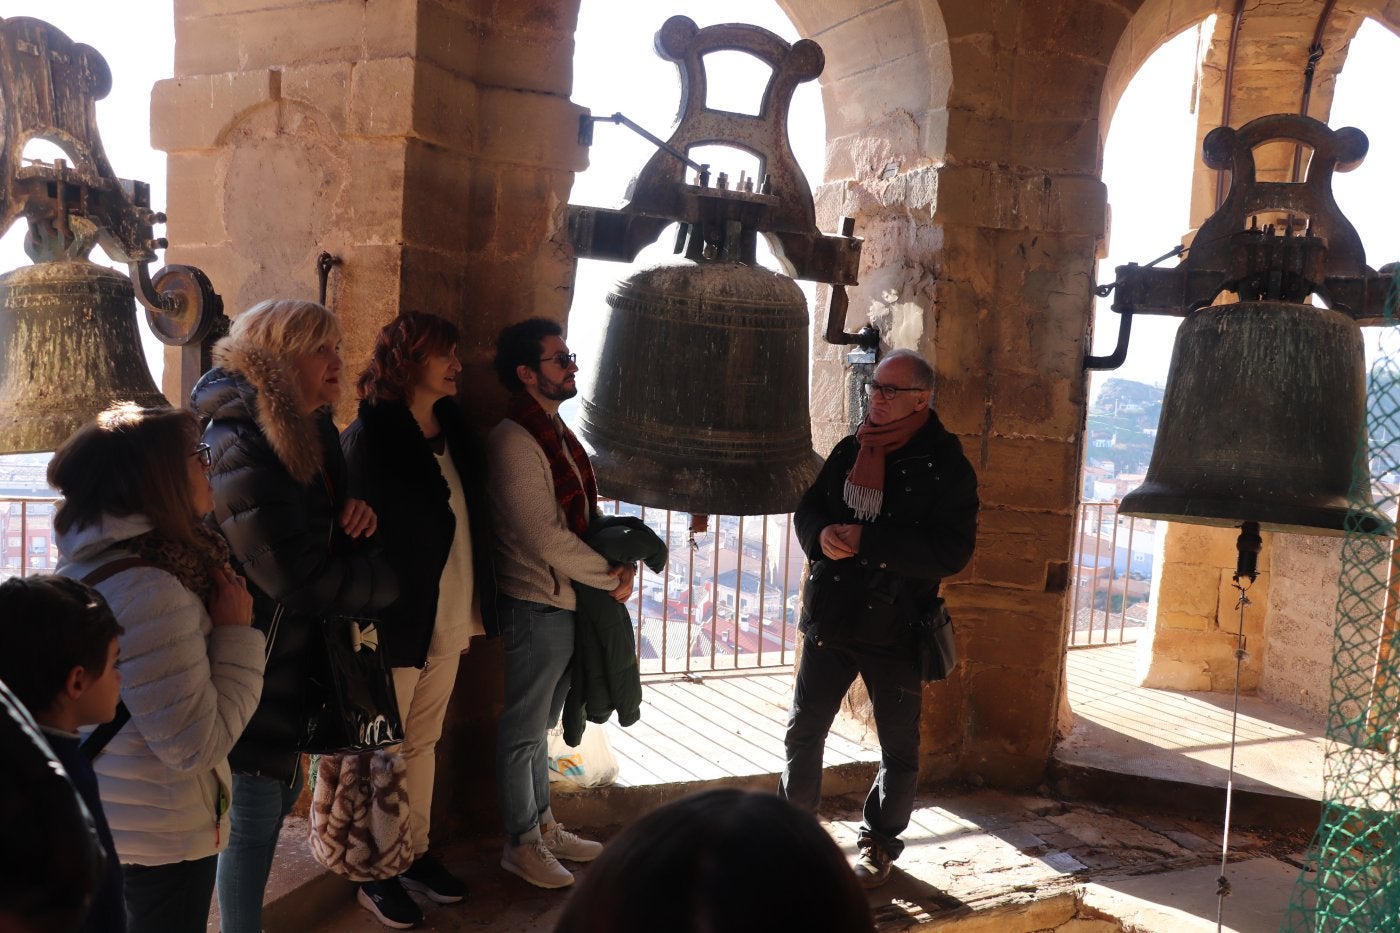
719 222
49 86
1305 246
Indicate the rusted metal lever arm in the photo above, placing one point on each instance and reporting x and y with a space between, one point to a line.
867 337
585 137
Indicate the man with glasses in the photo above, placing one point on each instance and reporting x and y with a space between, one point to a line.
543 497
893 512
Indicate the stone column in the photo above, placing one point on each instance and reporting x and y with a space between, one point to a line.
982 219
1193 614
430 145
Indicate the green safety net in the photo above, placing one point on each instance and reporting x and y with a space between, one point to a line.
1351 878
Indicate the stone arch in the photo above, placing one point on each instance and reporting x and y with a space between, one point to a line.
1155 23
1272 50
888 76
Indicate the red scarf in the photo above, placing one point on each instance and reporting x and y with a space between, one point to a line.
865 484
579 500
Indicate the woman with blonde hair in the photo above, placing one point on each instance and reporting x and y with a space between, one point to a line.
135 487
281 501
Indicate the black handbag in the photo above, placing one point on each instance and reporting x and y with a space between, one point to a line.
351 705
938 648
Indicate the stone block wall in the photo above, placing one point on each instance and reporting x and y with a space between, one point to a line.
1194 612
981 209
430 145
1301 610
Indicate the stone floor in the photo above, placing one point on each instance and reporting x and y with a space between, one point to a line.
976 860
1145 851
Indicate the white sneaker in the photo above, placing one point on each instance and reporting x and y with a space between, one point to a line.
536 864
565 844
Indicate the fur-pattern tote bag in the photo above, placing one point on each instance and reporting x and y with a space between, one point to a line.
359 816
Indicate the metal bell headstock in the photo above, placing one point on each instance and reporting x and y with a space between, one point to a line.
49 86
1311 248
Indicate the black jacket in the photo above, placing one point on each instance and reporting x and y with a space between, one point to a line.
279 483
926 531
392 467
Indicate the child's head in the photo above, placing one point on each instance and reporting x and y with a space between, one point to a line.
60 648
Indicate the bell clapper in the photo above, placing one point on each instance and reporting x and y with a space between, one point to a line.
699 525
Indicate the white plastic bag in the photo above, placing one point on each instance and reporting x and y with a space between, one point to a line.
592 764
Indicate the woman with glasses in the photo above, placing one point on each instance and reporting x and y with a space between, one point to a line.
281 500
135 488
422 468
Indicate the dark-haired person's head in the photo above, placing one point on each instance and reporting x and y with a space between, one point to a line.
720 861
403 354
520 345
131 461
55 629
50 857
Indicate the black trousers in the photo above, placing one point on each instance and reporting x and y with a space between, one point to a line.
891 676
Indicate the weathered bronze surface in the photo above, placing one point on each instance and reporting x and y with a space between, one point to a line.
699 401
1264 415
1263 420
67 326
68 349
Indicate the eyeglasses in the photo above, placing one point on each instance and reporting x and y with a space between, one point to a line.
205 455
888 392
563 360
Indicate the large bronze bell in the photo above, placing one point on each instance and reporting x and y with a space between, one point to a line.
699 402
1263 420
68 348
719 423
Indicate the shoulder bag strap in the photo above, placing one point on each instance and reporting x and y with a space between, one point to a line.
97 739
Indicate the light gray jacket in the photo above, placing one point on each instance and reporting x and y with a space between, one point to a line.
191 687
537 556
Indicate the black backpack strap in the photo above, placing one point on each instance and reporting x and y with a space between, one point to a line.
97 739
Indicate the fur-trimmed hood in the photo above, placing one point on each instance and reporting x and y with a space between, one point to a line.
248 383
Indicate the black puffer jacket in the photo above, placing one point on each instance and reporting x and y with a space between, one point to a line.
393 468
926 531
279 483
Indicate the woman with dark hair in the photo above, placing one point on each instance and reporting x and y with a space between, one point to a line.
281 500
421 467
720 861
135 486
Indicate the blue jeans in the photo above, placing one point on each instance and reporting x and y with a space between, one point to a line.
891 676
539 642
259 806
168 898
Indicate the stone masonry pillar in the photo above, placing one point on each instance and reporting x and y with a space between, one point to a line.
981 222
430 145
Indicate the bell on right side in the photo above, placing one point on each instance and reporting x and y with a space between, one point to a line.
1263 419
1264 415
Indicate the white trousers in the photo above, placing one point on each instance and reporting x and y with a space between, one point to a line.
423 696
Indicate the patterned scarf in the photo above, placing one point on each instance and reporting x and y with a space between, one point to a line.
192 564
865 484
579 501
